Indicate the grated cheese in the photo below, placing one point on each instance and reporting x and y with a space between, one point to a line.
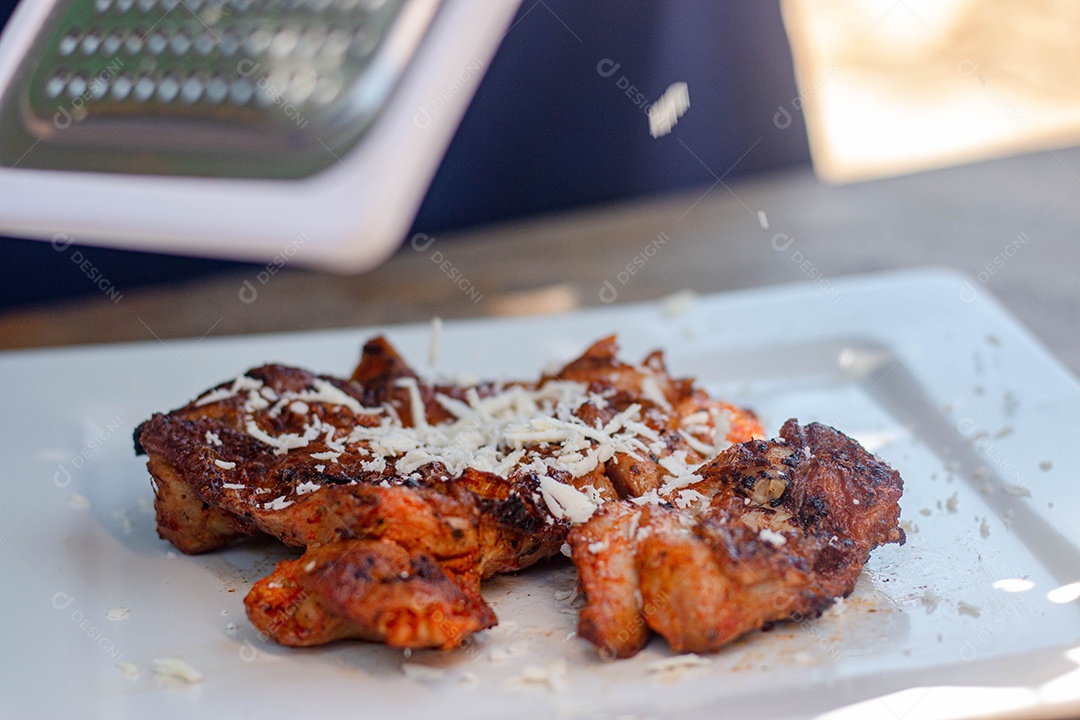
177 669
773 538
129 668
512 429
278 503
566 501
117 613
666 111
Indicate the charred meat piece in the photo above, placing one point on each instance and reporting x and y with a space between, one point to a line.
766 532
370 590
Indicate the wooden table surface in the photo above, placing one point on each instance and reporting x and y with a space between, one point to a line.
1013 225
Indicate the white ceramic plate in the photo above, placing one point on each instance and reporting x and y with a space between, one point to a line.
976 615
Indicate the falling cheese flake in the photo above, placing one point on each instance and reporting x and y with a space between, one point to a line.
436 337
666 111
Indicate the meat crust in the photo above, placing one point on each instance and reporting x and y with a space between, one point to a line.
777 530
369 590
397 539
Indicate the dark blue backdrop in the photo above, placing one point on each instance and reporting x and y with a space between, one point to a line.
548 131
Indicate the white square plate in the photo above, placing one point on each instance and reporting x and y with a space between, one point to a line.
977 614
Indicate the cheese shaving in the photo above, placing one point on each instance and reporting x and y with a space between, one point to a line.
773 538
177 669
566 501
511 429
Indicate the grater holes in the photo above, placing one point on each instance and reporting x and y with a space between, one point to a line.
122 6
272 88
258 41
121 87
144 88
335 45
284 42
145 6
364 42
90 43
310 42
229 44
77 85
204 44
301 85
55 85
240 91
192 89
69 42
134 43
99 87
168 89
156 43
216 90
326 89
102 6
180 43
112 43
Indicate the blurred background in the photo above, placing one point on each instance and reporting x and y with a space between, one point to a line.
546 132
874 134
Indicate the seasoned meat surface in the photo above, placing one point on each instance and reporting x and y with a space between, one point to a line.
765 532
399 488
369 590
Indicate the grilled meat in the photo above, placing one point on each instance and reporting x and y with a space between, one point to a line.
366 589
406 494
767 531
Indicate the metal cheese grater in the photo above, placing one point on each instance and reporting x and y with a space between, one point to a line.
251 129
226 88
